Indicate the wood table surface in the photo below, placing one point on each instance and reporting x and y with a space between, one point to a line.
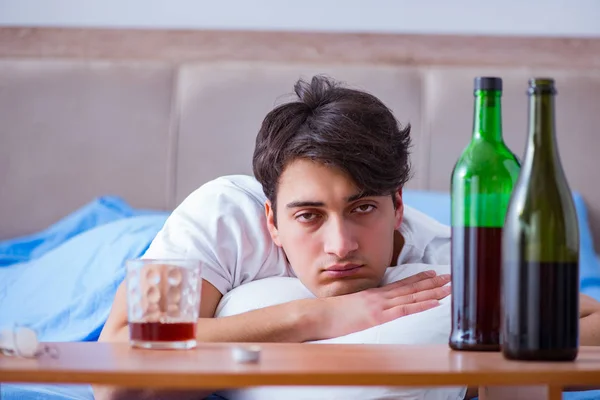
211 365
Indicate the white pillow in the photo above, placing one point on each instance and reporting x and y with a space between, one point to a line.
428 327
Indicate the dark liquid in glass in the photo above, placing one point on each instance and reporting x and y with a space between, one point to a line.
476 263
542 322
162 332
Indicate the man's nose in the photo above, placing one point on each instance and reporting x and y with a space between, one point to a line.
339 238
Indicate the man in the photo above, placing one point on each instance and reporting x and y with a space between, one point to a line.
329 171
335 233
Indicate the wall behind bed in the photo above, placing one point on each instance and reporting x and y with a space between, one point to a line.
152 114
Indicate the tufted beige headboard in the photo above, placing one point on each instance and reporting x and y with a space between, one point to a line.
79 120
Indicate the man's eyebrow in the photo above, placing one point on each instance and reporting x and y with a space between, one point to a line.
350 199
360 195
298 204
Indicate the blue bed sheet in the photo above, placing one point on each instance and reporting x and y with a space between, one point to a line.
96 213
62 281
64 288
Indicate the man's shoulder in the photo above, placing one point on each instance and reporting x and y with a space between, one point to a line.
232 185
426 239
222 223
423 225
241 191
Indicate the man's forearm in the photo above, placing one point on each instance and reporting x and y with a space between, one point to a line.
296 321
308 319
589 321
589 330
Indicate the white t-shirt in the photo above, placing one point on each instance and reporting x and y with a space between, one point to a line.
223 224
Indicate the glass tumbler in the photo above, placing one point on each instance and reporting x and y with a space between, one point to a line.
163 302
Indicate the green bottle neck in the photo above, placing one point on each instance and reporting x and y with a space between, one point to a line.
542 136
487 124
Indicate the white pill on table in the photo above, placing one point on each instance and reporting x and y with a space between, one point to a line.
246 354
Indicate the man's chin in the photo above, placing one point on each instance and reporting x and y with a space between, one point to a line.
342 287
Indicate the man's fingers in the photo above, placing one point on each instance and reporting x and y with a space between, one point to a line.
403 310
416 287
425 295
421 276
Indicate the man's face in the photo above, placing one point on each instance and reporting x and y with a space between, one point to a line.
336 242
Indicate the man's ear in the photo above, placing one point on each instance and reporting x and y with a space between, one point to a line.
399 212
270 214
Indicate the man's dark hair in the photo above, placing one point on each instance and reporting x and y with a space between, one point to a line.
337 126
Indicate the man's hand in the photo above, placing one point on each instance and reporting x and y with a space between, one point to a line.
354 312
589 321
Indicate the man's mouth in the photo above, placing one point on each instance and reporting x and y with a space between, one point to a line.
342 270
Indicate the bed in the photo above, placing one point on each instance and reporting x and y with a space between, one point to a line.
103 133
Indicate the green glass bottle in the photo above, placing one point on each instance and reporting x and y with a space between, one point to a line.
482 183
540 283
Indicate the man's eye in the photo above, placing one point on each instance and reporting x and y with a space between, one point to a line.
307 217
364 208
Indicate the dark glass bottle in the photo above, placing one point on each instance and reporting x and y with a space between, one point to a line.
540 284
482 183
